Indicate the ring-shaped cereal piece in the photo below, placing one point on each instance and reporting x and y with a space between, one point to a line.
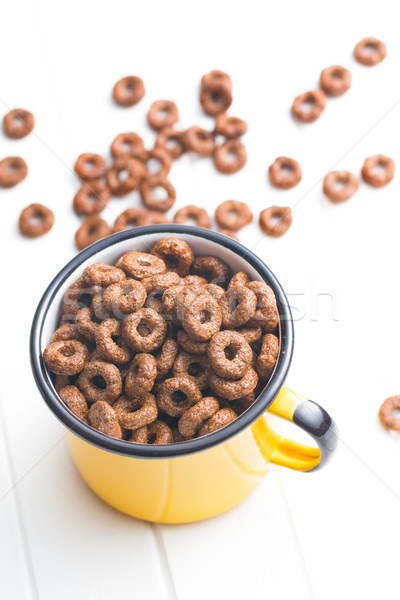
86 323
230 157
230 127
189 345
92 229
90 166
250 334
35 220
13 170
222 417
239 279
233 215
157 163
238 306
268 356
157 284
229 353
284 173
201 318
162 113
144 330
233 389
176 254
100 310
67 357
100 380
141 376
157 433
195 213
125 175
125 297
153 217
193 366
309 106
139 265
275 220
145 412
108 338
266 314
378 170
165 357
217 77
68 331
176 395
171 141
91 198
18 123
193 418
102 274
129 219
335 81
147 193
215 96
127 144
199 140
339 186
386 413
213 269
78 295
75 401
128 91
370 51
103 417
216 291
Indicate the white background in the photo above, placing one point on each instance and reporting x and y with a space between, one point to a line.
328 535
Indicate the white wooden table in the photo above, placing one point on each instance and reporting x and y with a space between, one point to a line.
333 534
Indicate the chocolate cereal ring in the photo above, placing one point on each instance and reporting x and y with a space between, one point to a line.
193 366
157 163
162 113
67 357
335 81
189 345
127 144
75 401
233 390
139 265
165 357
86 324
370 51
215 94
125 175
229 353
149 188
18 123
171 141
284 173
68 331
275 220
250 334
144 330
268 356
128 91
238 306
153 217
230 157
78 295
90 166
194 213
222 417
102 274
199 140
240 279
99 308
141 376
108 343
157 433
92 229
91 198
339 186
201 318
100 380
177 395
145 412
176 254
193 418
157 284
13 170
213 269
230 127
217 77
35 220
308 107
233 214
387 415
378 170
266 314
103 417
130 218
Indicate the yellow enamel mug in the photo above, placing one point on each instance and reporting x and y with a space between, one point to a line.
200 478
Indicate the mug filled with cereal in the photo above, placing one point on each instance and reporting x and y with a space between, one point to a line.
163 350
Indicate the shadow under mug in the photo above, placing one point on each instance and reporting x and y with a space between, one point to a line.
199 478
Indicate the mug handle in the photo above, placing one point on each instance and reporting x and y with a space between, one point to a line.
313 419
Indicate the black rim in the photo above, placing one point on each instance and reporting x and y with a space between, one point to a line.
44 383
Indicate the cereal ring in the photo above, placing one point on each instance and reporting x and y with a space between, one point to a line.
139 265
176 254
157 284
128 91
64 380
99 308
90 166
154 303
217 421
171 141
307 107
216 291
213 269
339 186
266 314
177 395
18 123
13 170
194 281
233 390
335 81
125 175
67 357
85 323
78 296
108 344
215 96
92 229
233 214
75 401
195 213
250 334
157 433
102 274
162 113
230 127
275 220
68 331
147 193
153 217
370 51
199 140
201 318
230 157
139 436
144 330
189 345
239 406
378 170
165 357
103 418
100 380
191 419
35 220
238 306
229 232
130 218
217 77
141 376
386 413
284 173
240 279
268 356
145 413
195 367
127 144
91 198
230 355
157 162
